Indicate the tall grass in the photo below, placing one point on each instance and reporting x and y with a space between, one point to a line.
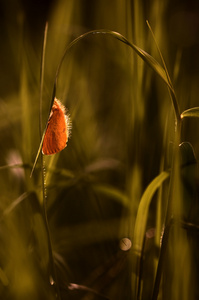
115 214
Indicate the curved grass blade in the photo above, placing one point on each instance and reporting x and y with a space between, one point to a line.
144 55
113 193
15 166
15 203
191 113
187 154
142 214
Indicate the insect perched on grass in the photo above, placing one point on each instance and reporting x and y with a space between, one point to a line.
58 129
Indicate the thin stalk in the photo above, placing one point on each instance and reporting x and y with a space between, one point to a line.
42 78
51 270
165 239
169 209
140 273
174 171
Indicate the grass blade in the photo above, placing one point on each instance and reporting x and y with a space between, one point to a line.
141 221
143 54
142 214
191 113
112 192
171 89
40 101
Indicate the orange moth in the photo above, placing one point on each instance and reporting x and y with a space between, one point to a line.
58 130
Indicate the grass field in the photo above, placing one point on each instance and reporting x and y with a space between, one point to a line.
115 214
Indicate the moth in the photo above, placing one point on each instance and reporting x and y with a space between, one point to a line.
58 129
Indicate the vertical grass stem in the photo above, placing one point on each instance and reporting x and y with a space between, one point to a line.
52 269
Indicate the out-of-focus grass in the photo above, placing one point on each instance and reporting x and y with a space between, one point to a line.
104 186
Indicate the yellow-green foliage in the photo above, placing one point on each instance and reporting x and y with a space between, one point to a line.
115 214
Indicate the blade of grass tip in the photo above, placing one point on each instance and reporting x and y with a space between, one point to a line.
42 78
191 113
171 89
160 53
40 100
144 55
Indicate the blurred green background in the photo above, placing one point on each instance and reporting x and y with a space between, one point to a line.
122 133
